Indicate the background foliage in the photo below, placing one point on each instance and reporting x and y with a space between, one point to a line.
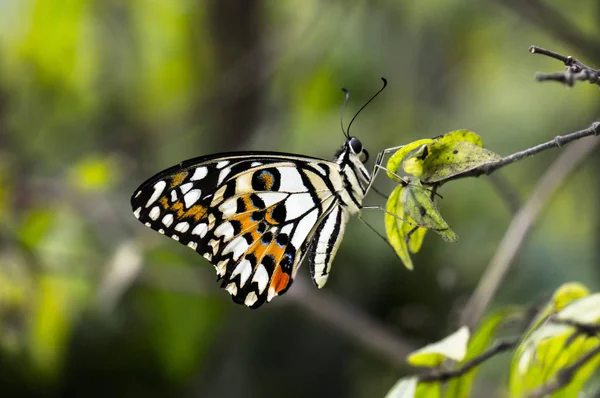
97 95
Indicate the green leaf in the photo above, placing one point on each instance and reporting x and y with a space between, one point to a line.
415 236
395 228
568 293
404 388
564 295
460 387
429 390
396 159
435 160
452 347
583 310
460 136
412 213
549 346
418 205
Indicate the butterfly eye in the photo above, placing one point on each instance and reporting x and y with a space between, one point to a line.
356 145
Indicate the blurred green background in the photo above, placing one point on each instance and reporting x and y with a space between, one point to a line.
97 95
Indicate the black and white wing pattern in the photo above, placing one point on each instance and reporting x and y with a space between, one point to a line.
324 244
254 215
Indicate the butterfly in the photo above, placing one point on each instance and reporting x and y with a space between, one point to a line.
256 215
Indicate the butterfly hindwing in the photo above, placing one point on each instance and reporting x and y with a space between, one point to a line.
251 215
324 245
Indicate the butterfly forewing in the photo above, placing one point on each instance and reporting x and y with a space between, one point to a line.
251 215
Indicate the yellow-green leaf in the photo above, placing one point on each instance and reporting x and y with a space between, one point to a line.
583 310
564 295
550 346
460 136
413 161
418 205
414 236
439 161
460 387
435 160
396 159
568 293
429 390
394 227
452 347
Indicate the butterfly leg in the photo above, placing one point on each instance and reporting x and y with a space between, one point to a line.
380 167
377 207
432 191
378 163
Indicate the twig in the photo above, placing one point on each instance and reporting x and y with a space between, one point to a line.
583 328
576 70
521 224
359 326
565 375
557 142
443 376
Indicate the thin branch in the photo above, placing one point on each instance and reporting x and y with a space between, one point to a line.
557 142
497 348
588 329
524 220
576 70
567 60
565 375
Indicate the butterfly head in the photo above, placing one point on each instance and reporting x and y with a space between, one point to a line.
356 148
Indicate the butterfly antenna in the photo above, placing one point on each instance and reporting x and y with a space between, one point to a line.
345 90
368 102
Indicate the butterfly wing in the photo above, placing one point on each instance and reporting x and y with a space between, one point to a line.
252 215
325 243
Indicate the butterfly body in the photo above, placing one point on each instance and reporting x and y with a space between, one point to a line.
256 215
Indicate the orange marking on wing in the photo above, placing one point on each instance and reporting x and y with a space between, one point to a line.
248 203
280 280
276 251
195 211
267 179
258 249
178 207
269 215
246 222
164 202
178 178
